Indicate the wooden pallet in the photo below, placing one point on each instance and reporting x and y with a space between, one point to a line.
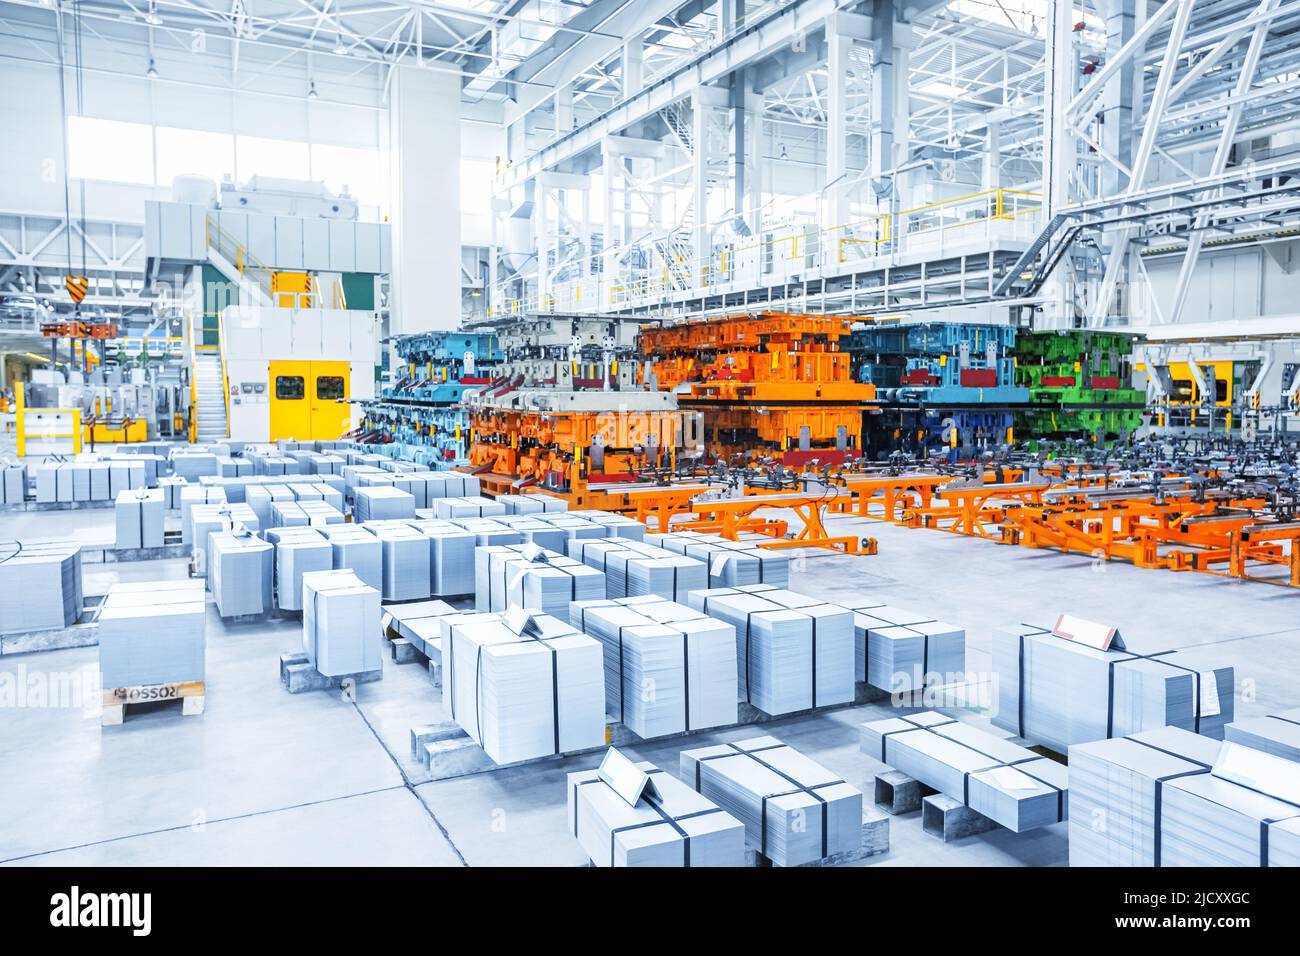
191 694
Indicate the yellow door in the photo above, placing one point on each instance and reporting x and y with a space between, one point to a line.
290 389
331 417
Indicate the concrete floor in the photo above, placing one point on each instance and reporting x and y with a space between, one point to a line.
264 777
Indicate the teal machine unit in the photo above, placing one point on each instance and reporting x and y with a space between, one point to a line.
940 385
419 416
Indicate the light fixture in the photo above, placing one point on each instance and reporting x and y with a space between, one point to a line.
339 48
784 154
152 17
152 72
311 91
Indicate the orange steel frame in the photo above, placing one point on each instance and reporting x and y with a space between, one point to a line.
729 517
768 375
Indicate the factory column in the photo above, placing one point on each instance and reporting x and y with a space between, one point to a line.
424 156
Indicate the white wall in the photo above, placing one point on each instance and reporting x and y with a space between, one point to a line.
1230 284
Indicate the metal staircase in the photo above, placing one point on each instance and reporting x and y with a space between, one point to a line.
678 120
210 396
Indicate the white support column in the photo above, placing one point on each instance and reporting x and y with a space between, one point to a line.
424 155
992 177
563 110
633 66
700 139
838 46
542 236
1059 152
754 178
610 166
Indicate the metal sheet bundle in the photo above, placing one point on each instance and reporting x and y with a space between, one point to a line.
171 486
492 574
731 563
900 651
298 551
233 467
352 474
380 503
452 508
1277 734
13 484
407 567
357 550
574 527
192 495
242 567
152 632
634 814
663 678
615 525
1231 815
548 584
488 531
794 809
1120 784
793 652
531 504
193 465
1058 691
525 686
1009 784
340 623
138 516
452 560
40 585
532 530
125 474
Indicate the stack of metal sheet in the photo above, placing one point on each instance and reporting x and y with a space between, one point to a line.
320 513
1229 816
233 467
902 658
1117 793
452 560
534 531
731 563
634 814
1059 691
451 508
13 484
127 474
357 550
492 575
40 584
690 664
171 486
489 531
699 600
340 623
794 810
383 503
152 633
526 686
407 568
792 652
615 525
1277 734
1009 784
549 584
139 518
298 551
193 465
192 495
242 570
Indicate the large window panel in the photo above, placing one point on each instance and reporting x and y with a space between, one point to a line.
110 150
357 169
183 152
275 158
